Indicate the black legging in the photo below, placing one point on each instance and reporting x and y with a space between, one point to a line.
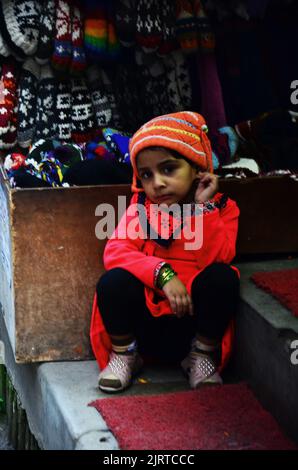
121 301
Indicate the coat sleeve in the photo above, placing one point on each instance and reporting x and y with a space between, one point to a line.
220 228
127 251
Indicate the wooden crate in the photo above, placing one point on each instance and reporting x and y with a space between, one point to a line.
50 258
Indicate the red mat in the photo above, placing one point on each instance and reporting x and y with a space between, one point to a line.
222 417
283 285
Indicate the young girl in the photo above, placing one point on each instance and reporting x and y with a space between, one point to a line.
158 297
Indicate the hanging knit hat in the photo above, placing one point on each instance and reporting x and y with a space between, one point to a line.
46 98
46 32
100 102
63 111
82 120
78 61
96 30
184 132
125 19
8 99
19 24
27 97
4 51
186 26
148 24
61 58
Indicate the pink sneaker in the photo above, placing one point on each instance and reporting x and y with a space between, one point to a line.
201 370
118 374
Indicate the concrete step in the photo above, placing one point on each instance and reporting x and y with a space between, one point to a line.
55 395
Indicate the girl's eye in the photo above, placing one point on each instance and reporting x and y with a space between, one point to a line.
168 169
145 175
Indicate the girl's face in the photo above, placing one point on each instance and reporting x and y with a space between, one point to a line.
165 179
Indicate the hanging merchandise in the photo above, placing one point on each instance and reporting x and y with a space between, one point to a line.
63 111
149 25
19 25
125 22
45 107
82 122
62 55
4 51
101 106
78 60
46 32
27 99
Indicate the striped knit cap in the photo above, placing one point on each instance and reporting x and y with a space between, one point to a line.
185 132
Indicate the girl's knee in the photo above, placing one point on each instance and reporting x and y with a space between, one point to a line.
116 280
218 276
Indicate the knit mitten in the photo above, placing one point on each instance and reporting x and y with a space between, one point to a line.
19 24
61 58
186 26
82 121
96 30
27 94
125 22
46 32
78 62
148 24
63 111
46 99
100 102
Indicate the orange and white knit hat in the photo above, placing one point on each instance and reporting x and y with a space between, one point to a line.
185 132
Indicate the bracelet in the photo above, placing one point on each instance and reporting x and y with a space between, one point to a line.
165 274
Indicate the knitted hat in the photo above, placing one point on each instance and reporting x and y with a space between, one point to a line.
27 99
82 118
45 108
19 24
78 62
46 32
61 58
184 132
96 30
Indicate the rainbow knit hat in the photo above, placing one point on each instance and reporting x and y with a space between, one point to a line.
185 132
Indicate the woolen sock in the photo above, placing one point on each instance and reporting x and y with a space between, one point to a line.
46 99
100 102
19 25
61 58
109 90
27 98
82 120
45 44
78 61
63 111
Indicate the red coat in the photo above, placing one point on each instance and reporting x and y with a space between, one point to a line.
141 256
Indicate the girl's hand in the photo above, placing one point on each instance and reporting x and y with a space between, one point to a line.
179 299
207 187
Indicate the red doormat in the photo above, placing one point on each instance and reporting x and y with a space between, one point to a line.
220 417
283 285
